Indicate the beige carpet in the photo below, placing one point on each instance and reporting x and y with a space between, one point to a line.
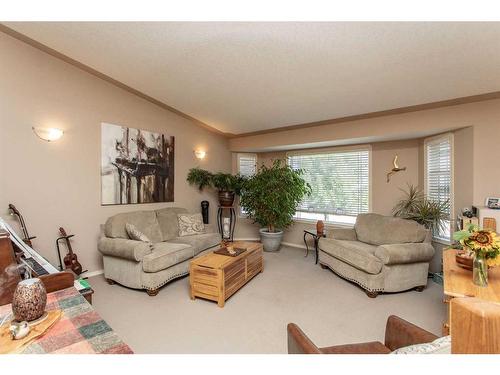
291 289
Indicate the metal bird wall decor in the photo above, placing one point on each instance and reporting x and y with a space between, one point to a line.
395 169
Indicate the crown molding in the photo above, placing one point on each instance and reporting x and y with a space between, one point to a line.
42 47
365 116
370 115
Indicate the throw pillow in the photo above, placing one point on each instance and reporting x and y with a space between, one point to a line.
441 345
135 234
190 224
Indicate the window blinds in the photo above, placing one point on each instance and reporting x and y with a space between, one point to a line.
339 181
439 174
247 164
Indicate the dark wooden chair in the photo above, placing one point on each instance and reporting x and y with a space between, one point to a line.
398 333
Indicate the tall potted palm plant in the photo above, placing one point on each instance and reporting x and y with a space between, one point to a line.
270 198
416 206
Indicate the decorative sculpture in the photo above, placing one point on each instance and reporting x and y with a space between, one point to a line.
395 169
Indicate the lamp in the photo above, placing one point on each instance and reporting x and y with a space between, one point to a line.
200 154
48 134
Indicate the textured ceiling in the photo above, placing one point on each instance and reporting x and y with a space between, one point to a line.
246 77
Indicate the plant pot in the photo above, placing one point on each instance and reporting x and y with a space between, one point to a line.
270 241
226 198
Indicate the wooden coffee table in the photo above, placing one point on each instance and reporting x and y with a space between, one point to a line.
217 277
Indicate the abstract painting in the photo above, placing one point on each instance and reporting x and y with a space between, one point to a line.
137 166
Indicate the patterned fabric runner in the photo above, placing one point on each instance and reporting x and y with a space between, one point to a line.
80 331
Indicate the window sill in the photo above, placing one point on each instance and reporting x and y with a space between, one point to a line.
441 241
327 224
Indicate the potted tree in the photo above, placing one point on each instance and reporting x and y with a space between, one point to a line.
270 198
227 184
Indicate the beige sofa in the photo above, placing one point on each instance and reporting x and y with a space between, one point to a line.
149 265
380 254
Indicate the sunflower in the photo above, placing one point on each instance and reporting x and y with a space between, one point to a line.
483 240
493 262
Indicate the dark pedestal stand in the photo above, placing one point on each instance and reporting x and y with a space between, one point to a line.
232 221
204 211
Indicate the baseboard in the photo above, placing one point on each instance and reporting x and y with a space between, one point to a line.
93 273
291 244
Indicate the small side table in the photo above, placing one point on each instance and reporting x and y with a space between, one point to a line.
232 221
316 238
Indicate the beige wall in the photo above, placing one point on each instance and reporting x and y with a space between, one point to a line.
384 195
58 184
484 118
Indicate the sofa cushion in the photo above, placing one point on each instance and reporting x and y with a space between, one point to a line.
199 242
145 221
135 234
377 229
441 345
190 224
357 254
168 222
166 255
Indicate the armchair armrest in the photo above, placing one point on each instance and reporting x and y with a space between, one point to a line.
400 333
405 253
298 342
124 248
348 234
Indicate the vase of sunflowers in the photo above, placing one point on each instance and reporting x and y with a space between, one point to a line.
485 248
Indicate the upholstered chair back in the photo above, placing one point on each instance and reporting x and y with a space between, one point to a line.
376 229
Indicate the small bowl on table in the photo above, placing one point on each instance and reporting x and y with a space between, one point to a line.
464 260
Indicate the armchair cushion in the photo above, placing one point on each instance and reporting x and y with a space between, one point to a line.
348 234
372 347
357 254
123 248
382 230
405 253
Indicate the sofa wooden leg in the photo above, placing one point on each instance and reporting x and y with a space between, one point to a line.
371 294
420 288
152 292
323 266
111 282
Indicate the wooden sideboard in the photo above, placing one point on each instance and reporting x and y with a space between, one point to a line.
458 283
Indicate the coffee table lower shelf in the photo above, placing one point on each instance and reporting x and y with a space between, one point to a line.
217 277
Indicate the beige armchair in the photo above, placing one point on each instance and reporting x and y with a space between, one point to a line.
380 254
398 334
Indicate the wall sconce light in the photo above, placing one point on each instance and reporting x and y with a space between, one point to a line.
48 134
200 154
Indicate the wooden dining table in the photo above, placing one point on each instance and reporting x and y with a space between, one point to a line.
81 330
